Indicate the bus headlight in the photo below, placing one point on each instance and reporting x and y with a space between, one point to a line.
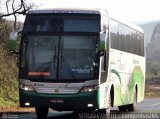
26 87
89 88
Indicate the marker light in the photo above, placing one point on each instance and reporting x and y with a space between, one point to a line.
27 104
90 105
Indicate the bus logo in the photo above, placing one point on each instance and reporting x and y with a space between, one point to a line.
56 91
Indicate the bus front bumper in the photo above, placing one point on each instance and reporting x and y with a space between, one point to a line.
79 101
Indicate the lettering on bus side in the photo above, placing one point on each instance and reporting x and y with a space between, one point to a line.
135 61
74 87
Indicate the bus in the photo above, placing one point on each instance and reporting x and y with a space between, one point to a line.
79 59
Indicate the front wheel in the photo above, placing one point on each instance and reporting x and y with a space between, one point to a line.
41 112
108 109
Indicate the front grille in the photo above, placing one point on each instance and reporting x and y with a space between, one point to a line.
55 90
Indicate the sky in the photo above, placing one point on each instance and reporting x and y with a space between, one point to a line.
135 11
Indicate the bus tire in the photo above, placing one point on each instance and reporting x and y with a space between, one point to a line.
132 107
41 112
107 110
123 108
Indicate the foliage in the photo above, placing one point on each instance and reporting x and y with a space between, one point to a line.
8 68
4 31
8 61
16 7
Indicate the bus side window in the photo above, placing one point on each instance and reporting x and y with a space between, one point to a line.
141 44
113 26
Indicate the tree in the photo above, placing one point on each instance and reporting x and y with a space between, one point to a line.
0 4
16 8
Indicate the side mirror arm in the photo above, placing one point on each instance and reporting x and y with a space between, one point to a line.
14 52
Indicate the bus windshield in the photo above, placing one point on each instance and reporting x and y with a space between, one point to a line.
63 23
55 54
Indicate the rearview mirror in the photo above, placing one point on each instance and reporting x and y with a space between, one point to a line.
102 41
13 41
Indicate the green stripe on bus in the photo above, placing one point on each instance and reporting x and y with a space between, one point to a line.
117 73
137 77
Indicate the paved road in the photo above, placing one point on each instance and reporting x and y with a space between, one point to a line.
147 106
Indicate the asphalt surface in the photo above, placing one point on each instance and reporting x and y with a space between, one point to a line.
149 108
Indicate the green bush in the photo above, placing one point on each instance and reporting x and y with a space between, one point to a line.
8 68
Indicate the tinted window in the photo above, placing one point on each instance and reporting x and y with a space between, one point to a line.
125 38
113 27
141 37
75 59
80 25
133 42
68 23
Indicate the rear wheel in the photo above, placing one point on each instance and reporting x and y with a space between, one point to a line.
132 107
123 108
41 112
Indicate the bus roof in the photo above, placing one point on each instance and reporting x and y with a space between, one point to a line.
65 10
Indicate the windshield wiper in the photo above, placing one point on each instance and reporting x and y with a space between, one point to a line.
54 57
68 67
25 40
66 63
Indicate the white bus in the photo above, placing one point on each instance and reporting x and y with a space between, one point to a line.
79 59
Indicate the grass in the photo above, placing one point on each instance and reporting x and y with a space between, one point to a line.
151 84
8 77
9 106
9 97
4 103
152 93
